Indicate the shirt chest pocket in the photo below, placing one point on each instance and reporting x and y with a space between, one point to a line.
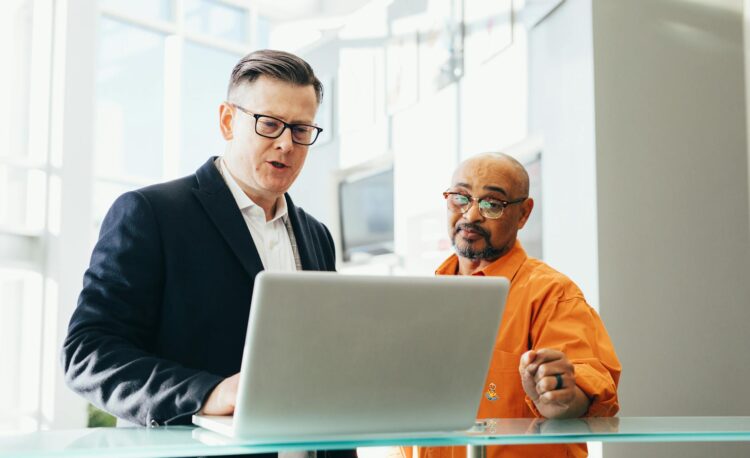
503 395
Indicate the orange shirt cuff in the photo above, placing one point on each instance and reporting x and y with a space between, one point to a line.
601 390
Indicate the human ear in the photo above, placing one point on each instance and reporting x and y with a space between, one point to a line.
526 207
226 118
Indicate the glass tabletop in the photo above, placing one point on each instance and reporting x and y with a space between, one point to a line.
178 441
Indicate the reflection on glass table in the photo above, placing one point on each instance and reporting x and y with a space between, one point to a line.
611 429
190 441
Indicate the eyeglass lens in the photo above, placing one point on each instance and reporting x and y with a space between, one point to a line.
273 127
488 208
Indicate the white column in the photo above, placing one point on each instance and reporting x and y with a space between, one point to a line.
71 150
746 30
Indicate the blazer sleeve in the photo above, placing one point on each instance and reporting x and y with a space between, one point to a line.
330 251
107 355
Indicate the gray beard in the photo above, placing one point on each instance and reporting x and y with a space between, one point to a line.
489 253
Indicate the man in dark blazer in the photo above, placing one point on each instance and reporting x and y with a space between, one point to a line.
159 329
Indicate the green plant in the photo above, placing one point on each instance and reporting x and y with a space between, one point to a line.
99 418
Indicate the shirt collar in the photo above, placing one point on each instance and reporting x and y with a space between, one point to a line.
243 201
505 266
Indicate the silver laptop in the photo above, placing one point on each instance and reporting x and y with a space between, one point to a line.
331 355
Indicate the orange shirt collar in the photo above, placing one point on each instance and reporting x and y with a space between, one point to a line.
505 266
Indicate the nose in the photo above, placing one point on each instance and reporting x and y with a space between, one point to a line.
284 141
473 214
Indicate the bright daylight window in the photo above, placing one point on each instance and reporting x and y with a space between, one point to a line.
161 70
25 42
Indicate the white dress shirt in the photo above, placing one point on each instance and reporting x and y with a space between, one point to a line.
272 241
271 237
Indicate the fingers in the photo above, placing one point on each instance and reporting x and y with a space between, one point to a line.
222 399
556 391
229 391
560 366
553 360
549 380
527 358
561 397
546 372
554 383
527 376
543 356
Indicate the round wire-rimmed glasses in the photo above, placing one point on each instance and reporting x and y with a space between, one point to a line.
270 127
488 207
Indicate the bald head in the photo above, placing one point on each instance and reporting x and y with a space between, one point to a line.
499 164
500 184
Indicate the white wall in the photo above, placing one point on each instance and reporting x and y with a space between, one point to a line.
646 203
561 114
672 180
312 189
424 150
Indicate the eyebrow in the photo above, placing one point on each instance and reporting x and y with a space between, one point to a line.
491 188
274 115
497 189
307 123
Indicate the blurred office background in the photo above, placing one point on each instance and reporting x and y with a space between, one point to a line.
630 116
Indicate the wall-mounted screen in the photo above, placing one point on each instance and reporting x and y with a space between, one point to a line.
366 214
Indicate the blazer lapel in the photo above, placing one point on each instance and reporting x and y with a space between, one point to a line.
217 200
302 234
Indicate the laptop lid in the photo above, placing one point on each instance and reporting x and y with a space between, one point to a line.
329 354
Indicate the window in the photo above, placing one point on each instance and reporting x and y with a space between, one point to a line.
157 97
25 45
129 122
20 347
205 75
160 70
216 19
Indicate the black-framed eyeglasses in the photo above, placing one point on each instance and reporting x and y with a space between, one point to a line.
270 127
488 207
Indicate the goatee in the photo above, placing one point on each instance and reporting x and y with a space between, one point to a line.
488 253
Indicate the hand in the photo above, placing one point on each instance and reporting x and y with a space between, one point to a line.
539 370
222 399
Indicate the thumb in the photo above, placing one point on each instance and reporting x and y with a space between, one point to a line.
527 376
528 358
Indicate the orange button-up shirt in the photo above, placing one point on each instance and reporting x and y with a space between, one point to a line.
544 309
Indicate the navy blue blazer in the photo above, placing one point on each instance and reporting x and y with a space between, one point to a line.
163 313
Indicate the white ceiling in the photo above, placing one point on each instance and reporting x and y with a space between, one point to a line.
295 10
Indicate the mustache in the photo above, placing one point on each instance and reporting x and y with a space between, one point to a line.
472 227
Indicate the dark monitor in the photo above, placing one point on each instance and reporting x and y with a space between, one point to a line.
366 214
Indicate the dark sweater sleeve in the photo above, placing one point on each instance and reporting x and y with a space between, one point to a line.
107 355
330 250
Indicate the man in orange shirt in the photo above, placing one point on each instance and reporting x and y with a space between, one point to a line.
553 357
